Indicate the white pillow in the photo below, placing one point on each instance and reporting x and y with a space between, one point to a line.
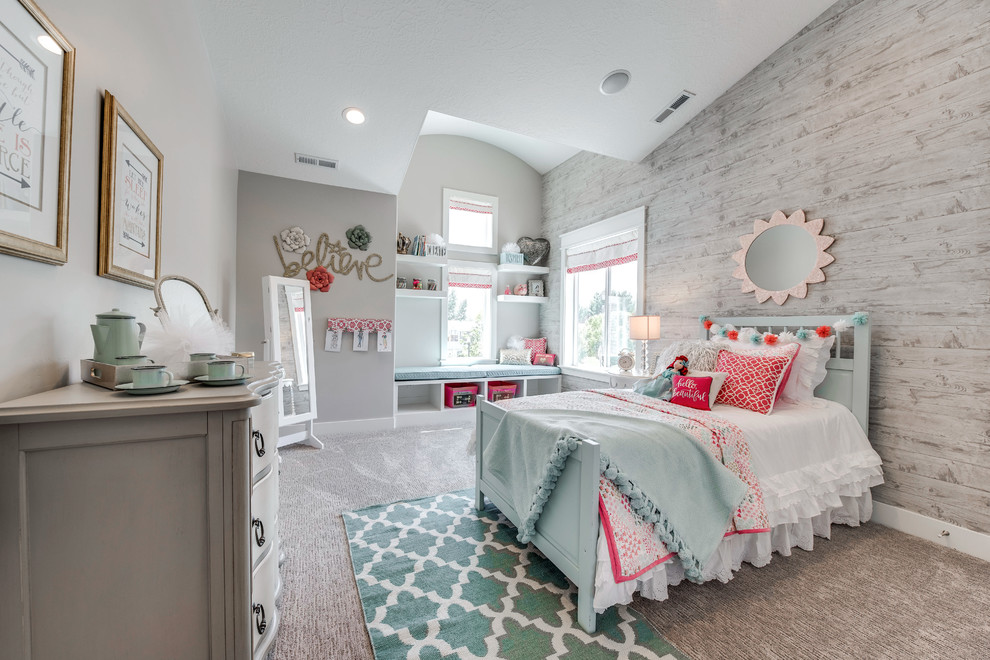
701 355
808 370
718 380
515 356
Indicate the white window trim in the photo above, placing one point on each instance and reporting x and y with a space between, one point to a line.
631 219
493 311
473 249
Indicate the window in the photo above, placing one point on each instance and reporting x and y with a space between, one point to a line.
469 313
602 276
470 221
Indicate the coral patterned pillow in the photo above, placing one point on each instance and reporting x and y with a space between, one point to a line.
537 345
753 381
791 350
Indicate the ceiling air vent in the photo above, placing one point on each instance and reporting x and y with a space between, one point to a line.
315 160
678 102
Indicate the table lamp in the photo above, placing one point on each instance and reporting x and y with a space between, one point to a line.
644 328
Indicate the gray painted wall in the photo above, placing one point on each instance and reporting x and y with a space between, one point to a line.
875 118
450 161
151 56
349 385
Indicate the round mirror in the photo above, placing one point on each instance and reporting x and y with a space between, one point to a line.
781 257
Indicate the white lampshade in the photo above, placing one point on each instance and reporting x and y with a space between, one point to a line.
644 327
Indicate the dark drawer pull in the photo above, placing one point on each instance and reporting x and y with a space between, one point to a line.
259 531
259 618
259 443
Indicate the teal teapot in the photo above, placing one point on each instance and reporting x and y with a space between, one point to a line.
116 334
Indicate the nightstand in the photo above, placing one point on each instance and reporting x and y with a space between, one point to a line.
623 379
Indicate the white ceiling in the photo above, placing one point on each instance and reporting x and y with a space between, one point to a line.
520 74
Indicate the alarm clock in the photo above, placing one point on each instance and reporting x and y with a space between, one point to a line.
627 360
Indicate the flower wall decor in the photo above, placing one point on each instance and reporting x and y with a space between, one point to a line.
320 279
294 239
782 257
358 237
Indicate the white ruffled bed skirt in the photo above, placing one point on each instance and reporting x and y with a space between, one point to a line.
844 500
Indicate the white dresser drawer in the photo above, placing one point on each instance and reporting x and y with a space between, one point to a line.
264 515
264 433
265 614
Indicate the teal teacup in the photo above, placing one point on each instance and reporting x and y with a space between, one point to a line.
151 375
224 370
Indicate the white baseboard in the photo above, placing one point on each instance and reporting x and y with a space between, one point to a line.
916 524
355 425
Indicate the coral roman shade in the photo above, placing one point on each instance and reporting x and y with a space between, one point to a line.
612 251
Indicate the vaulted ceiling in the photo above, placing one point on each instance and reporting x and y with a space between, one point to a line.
521 74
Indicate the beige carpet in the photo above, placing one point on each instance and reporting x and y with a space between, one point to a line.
870 592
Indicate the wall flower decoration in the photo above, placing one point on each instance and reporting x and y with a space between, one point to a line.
358 237
294 239
320 279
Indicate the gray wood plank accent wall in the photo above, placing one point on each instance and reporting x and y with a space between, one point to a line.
876 117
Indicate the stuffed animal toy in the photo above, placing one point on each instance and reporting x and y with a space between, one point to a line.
661 386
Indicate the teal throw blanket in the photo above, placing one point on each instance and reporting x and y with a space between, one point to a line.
669 477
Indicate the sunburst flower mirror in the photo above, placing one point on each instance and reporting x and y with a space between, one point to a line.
782 257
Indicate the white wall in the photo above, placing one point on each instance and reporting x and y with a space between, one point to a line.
450 161
151 56
349 385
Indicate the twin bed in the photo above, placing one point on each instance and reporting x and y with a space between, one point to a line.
812 464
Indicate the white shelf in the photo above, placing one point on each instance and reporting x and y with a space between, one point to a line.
419 293
523 299
438 262
521 268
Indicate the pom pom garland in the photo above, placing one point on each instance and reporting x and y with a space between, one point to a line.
732 334
702 319
840 325
770 339
756 338
708 324
803 334
860 318
723 332
823 331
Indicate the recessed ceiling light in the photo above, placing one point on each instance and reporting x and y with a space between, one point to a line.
354 115
615 82
49 44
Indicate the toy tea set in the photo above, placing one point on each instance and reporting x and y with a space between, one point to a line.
118 365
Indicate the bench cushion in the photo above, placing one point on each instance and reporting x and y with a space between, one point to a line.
471 372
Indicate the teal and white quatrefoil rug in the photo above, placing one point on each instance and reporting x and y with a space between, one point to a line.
439 581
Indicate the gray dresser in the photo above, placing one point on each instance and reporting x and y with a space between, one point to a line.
140 526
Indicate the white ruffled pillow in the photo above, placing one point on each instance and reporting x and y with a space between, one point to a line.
809 369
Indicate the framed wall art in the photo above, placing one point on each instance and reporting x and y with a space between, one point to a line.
37 65
130 200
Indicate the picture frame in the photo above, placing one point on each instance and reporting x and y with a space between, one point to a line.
130 200
37 72
334 340
384 341
535 288
361 339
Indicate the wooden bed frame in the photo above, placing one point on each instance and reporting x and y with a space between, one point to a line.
567 531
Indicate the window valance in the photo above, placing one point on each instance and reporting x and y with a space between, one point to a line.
612 251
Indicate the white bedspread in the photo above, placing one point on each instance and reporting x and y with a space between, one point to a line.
815 466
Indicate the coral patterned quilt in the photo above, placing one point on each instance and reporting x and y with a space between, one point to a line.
634 546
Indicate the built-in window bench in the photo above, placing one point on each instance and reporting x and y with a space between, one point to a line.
419 391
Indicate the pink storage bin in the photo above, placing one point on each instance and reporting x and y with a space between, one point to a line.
459 395
498 390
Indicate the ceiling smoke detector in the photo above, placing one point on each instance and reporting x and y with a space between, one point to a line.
303 159
614 82
678 102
